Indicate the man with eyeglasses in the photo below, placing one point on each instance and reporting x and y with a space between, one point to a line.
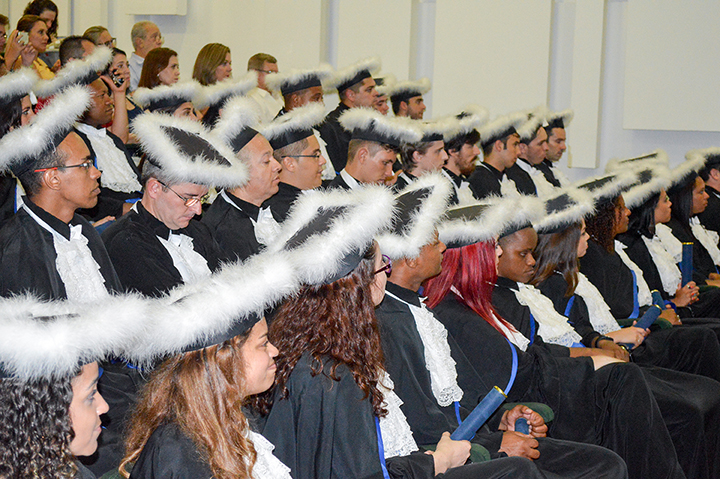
159 244
237 219
267 106
145 36
46 248
297 149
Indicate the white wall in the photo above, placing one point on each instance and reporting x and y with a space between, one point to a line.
502 54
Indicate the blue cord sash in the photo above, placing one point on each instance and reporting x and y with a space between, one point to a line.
381 449
636 303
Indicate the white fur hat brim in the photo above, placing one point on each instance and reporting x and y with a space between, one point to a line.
344 75
220 92
302 118
17 84
181 92
410 88
565 116
419 228
490 131
237 115
657 157
74 72
179 167
279 81
659 179
579 204
401 129
388 81
59 115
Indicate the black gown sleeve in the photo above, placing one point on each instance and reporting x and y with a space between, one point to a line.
170 454
554 288
611 277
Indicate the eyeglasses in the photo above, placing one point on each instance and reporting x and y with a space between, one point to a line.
190 201
387 266
315 155
110 43
85 165
264 71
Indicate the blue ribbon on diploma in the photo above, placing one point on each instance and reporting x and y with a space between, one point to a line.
686 265
647 319
485 408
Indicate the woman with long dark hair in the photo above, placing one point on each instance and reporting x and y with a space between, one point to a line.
25 53
160 67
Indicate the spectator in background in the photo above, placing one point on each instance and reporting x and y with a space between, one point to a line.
48 13
267 105
4 24
213 64
161 67
75 48
100 35
145 37
21 54
117 71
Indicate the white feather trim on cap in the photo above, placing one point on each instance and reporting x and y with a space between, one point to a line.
219 92
418 229
404 130
238 114
566 116
40 339
411 87
489 131
185 90
277 81
368 210
181 168
473 116
495 215
17 84
694 162
578 204
657 157
302 118
609 185
535 119
652 179
388 81
75 71
29 142
346 74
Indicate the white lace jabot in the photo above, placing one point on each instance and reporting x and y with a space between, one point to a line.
267 466
709 239
600 316
552 326
191 265
396 433
665 263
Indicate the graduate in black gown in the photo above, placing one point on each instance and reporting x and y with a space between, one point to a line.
237 218
556 122
533 150
375 142
50 408
575 388
16 110
177 100
710 218
356 88
498 140
189 420
520 175
297 149
689 199
462 150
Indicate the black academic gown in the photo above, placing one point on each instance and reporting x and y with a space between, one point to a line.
8 185
83 472
546 168
337 138
692 350
457 183
405 363
523 181
703 263
338 183
281 202
110 202
402 181
485 181
708 306
233 228
692 419
170 454
142 262
710 218
27 255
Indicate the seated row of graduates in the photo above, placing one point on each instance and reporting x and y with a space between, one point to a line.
333 268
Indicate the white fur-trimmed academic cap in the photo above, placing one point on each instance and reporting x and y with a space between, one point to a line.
460 124
657 157
607 187
695 161
346 77
294 125
218 94
558 119
564 208
370 125
15 85
328 232
41 339
238 123
298 80
384 83
404 90
76 72
712 157
501 127
652 179
187 152
166 96
529 128
419 208
20 148
487 219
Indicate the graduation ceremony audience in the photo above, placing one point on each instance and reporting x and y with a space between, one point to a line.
224 277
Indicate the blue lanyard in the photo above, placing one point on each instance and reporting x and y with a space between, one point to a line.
381 449
568 308
513 373
532 329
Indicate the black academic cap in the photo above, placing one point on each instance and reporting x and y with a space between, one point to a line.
294 126
166 96
370 125
298 80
